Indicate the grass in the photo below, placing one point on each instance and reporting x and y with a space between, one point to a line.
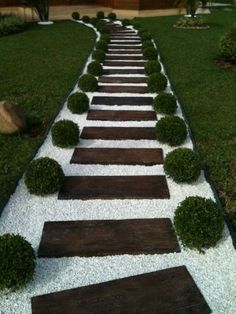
38 68
206 92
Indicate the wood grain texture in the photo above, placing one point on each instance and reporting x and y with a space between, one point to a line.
125 101
123 89
121 115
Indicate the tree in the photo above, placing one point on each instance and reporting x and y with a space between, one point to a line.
41 7
190 5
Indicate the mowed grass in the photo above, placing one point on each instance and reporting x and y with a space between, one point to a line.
206 92
37 69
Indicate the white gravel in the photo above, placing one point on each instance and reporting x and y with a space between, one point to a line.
213 272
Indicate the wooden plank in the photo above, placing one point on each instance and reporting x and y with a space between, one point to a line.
121 115
90 238
114 187
118 133
115 58
122 101
122 71
118 156
124 63
122 79
123 89
125 52
125 42
168 291
123 47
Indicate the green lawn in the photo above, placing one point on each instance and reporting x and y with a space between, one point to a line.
38 68
206 92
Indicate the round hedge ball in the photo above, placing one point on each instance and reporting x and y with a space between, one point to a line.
100 15
136 25
165 103
112 16
78 103
147 44
141 31
228 46
150 53
75 16
88 83
104 30
146 36
171 130
102 45
86 19
105 38
65 133
199 223
157 82
94 21
95 68
99 55
152 66
44 176
126 22
182 165
17 263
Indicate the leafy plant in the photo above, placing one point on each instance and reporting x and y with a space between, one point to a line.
126 22
75 16
86 19
95 68
100 15
199 223
112 16
183 165
152 66
88 83
94 21
157 82
228 46
44 176
165 103
65 133
11 24
150 53
188 22
146 36
17 263
41 7
147 44
78 103
102 45
99 55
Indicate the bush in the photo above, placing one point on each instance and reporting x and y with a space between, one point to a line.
86 19
100 24
141 31
165 103
17 264
228 46
198 222
146 36
95 68
105 38
104 30
99 55
188 22
102 45
136 25
100 15
147 44
88 83
157 82
75 16
150 53
183 165
94 21
112 16
78 103
152 66
65 133
11 24
44 176
171 130
126 22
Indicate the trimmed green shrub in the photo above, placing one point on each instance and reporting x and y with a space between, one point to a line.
126 22
199 223
112 16
152 66
95 68
228 46
75 16
102 45
65 133
100 15
157 82
100 24
11 24
105 38
165 103
78 103
146 36
141 31
94 21
147 44
171 130
136 25
88 83
182 165
104 30
44 176
150 53
17 263
99 55
86 19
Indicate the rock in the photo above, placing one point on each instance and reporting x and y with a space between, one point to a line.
12 119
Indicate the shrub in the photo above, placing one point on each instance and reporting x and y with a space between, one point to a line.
146 36
112 16
136 25
165 103
100 24
100 15
228 46
157 82
95 68
152 66
94 21
75 16
86 19
78 103
150 53
65 133
182 165
198 222
104 30
105 38
102 45
126 22
11 24
190 23
88 83
99 55
141 31
171 130
44 176
17 264
147 44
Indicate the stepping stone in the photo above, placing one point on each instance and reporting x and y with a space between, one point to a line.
123 89
125 52
118 133
90 238
124 47
168 291
122 101
125 42
114 187
123 71
124 63
115 58
122 79
124 36
117 156
121 115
